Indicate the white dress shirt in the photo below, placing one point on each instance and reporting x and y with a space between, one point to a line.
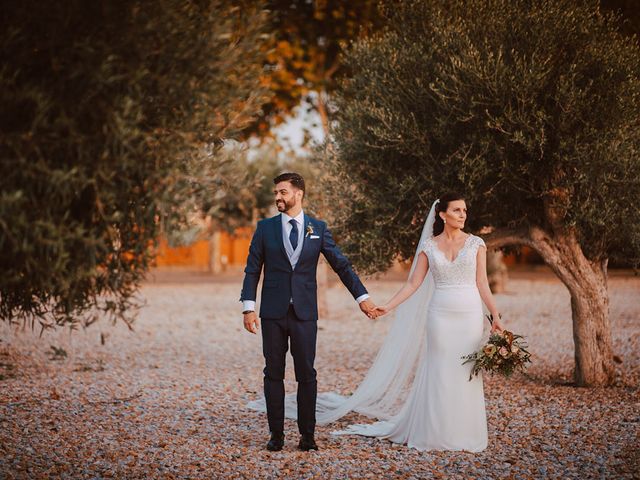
294 255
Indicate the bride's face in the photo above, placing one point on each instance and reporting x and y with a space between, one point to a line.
456 214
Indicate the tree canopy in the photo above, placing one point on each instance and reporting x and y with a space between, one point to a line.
522 107
111 113
304 54
530 109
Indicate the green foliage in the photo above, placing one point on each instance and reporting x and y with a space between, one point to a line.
525 107
629 12
57 353
233 189
112 113
237 190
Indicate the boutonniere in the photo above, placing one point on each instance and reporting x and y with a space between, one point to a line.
309 229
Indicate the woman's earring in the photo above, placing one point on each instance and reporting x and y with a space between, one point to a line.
444 220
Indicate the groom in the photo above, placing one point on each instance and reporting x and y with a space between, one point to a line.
288 246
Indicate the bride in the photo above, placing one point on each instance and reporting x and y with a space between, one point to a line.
417 386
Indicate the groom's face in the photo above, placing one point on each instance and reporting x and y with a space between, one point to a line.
287 196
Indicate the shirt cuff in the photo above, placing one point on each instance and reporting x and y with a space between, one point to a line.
248 305
362 298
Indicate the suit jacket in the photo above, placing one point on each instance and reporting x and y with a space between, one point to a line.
281 282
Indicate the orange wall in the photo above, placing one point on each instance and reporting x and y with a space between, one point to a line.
194 255
233 250
238 245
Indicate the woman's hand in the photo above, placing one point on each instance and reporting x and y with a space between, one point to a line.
496 326
379 311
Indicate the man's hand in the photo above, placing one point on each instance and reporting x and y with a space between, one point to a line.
367 307
251 322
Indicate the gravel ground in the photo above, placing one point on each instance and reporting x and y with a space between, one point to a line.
167 400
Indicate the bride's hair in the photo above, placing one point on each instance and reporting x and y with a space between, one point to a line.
441 206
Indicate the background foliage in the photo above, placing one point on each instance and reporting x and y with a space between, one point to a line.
304 54
510 102
112 113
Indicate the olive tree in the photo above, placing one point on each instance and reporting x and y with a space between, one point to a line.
112 117
532 109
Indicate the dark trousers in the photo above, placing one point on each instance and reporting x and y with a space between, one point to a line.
275 339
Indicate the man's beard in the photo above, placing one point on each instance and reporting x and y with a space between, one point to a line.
284 206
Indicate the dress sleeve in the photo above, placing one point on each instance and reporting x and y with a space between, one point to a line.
423 246
480 242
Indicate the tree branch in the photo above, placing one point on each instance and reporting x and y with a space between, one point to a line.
553 253
508 236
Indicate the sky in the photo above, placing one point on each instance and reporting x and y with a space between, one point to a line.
291 133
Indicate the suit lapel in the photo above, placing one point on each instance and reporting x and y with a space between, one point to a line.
304 236
277 228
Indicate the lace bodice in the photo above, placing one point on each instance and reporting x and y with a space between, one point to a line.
462 271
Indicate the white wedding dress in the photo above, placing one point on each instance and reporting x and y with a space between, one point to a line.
417 386
444 410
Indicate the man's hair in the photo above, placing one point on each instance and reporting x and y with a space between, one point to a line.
294 178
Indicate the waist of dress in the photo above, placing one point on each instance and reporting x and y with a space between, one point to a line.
471 286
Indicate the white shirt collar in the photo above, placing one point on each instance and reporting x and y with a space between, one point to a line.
298 218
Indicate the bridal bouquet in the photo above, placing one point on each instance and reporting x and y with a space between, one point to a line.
503 353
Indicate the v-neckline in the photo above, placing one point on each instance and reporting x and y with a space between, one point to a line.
435 244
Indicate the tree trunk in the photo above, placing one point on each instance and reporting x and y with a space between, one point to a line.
215 264
323 269
592 330
323 285
497 272
587 284
322 111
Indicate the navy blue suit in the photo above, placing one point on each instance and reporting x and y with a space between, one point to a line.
297 321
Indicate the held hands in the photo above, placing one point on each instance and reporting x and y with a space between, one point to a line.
379 311
251 322
367 306
371 310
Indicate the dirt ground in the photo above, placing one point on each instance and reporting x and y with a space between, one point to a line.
168 399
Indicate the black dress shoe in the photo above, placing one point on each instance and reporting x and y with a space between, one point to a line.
307 443
276 442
